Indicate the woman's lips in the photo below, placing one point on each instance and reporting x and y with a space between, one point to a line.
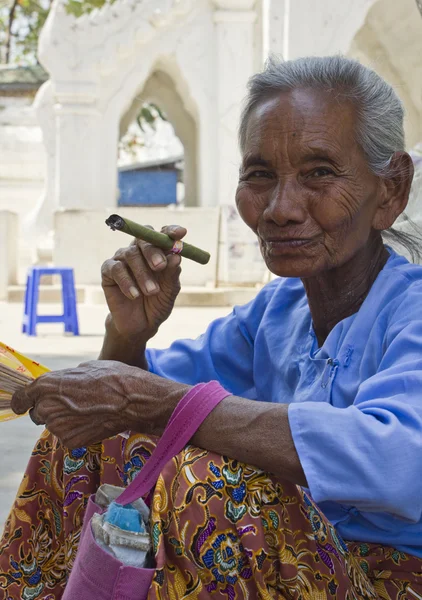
278 246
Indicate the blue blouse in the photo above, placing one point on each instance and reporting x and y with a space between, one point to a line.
355 404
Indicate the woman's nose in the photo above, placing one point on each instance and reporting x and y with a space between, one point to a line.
286 204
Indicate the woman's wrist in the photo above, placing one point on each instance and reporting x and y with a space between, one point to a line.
127 349
152 402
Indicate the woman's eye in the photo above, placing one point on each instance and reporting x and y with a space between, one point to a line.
322 172
258 175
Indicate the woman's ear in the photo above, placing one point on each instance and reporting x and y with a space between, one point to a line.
394 192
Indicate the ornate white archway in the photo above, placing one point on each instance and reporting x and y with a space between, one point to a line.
313 27
207 48
162 90
99 62
389 41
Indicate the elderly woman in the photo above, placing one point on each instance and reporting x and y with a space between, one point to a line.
324 369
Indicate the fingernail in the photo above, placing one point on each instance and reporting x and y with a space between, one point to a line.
134 292
157 260
150 286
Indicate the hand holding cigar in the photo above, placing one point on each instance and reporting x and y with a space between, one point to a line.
161 240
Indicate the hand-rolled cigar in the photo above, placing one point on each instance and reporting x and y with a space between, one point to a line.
161 240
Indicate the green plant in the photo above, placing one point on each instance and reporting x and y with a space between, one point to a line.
80 7
149 114
21 22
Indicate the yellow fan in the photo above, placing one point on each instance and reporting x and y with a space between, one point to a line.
16 371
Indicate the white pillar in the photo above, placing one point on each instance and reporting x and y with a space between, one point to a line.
234 21
313 27
278 15
38 222
235 24
8 251
83 179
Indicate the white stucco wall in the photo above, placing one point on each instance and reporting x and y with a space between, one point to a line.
318 27
208 48
99 64
22 156
98 242
21 145
390 41
8 251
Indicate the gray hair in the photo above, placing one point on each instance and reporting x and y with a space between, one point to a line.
379 110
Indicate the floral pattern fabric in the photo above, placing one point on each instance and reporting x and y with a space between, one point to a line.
220 529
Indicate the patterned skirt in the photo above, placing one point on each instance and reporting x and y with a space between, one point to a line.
220 529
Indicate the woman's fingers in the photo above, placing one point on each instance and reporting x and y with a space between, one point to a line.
35 418
115 272
24 399
34 398
133 269
172 279
176 232
156 258
141 271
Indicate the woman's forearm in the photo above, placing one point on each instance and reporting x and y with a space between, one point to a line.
257 433
128 351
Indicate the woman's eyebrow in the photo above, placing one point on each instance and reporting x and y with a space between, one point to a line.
321 155
255 159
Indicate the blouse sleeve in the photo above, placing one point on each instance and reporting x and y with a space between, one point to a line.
224 352
369 455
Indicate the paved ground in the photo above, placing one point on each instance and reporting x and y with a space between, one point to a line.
58 351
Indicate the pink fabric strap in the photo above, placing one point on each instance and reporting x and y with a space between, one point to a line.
187 417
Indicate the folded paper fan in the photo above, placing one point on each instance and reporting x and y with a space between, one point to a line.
16 371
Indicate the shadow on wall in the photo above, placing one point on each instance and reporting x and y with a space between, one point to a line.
390 43
161 90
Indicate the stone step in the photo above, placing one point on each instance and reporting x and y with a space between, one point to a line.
189 296
48 294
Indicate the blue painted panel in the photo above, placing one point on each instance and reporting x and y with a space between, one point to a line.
147 187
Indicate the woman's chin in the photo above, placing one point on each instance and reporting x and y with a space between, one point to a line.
283 267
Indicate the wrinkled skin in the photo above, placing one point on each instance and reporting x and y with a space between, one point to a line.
140 285
308 193
318 210
98 400
304 177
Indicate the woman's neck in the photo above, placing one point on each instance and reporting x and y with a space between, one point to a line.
340 292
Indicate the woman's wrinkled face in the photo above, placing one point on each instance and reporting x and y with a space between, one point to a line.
305 187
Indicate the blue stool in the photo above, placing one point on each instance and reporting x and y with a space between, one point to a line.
69 316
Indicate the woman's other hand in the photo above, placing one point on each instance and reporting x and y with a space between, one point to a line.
141 284
98 400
